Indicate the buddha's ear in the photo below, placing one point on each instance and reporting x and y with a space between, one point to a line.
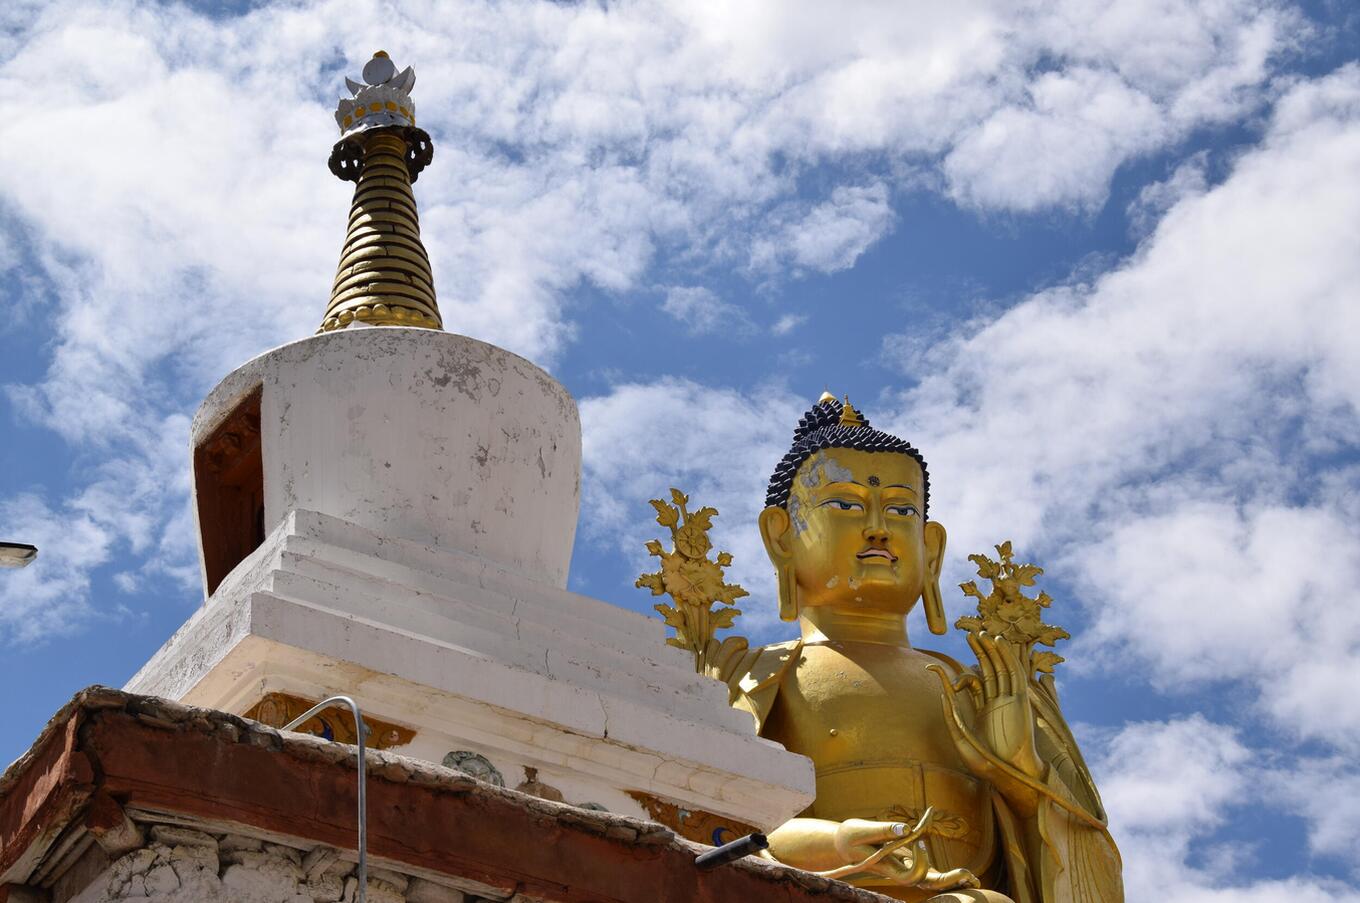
775 531
935 538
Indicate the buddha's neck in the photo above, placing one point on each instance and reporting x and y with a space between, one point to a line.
843 625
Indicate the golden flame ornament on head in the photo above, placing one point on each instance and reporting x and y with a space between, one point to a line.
850 416
693 581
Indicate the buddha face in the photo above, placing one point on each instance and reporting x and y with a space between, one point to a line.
854 532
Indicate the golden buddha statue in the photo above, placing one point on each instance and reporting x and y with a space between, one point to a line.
934 781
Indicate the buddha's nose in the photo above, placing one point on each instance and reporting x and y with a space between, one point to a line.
876 530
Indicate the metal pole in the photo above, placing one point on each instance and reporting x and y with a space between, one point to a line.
730 852
360 729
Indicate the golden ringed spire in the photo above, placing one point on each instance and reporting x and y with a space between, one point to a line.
384 276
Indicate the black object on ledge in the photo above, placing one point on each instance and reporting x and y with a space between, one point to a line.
729 852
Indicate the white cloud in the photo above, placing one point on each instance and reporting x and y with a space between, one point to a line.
788 323
573 142
717 445
829 236
1199 57
1154 199
1327 794
1167 787
50 595
702 312
1172 779
1207 592
119 518
184 220
1061 145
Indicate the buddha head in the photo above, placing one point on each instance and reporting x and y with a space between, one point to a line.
845 520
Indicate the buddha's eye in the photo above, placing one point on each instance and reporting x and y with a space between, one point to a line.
903 510
841 505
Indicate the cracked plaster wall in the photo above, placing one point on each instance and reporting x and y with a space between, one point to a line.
183 865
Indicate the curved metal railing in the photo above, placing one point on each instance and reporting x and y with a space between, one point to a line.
361 731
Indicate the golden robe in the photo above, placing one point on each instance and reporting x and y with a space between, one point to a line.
1061 854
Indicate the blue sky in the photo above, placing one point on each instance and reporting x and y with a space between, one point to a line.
1099 261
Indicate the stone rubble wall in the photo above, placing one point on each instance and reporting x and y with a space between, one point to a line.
183 865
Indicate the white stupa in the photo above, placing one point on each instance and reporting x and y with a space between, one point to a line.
387 510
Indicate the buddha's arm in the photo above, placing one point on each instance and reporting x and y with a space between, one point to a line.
999 736
858 846
819 845
1019 742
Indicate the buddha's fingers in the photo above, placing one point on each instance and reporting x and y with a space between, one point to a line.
858 832
876 861
950 880
984 666
973 684
1003 674
1011 656
889 868
969 747
920 865
922 824
907 867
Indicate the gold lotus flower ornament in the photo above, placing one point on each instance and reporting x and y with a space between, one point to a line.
694 582
1007 612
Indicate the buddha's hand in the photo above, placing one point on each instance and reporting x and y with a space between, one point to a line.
893 850
865 847
998 746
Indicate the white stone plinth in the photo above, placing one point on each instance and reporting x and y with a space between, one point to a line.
417 434
481 658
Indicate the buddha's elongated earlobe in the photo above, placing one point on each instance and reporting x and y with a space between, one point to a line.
934 605
931 599
774 530
788 592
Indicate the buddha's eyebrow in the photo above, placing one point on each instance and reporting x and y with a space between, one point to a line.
889 486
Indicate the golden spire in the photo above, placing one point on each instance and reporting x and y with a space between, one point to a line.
849 416
826 396
384 276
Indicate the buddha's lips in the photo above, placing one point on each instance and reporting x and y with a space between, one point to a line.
877 553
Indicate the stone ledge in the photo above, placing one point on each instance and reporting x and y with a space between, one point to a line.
149 753
508 670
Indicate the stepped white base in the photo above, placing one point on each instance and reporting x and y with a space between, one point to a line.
474 657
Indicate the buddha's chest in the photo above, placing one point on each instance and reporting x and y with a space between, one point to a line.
853 703
870 718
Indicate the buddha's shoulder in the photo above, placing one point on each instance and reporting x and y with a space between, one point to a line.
764 665
756 677
762 671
